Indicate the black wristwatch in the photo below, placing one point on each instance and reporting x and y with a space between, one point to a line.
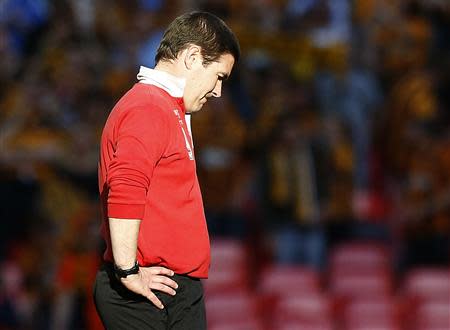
123 273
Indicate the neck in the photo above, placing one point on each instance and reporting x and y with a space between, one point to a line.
171 68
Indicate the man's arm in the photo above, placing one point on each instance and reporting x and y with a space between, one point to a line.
124 235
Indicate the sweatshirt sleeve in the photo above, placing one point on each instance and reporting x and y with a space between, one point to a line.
140 139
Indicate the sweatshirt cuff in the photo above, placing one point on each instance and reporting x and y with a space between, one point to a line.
126 211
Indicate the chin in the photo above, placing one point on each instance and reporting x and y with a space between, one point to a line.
196 109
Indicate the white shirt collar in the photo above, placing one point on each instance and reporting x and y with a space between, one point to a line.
171 84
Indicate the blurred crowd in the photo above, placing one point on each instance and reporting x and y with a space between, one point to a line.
333 127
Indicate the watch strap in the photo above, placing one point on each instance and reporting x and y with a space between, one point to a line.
123 273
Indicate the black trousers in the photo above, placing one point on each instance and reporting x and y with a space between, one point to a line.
120 308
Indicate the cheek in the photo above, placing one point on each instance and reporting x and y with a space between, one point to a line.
202 84
211 84
203 88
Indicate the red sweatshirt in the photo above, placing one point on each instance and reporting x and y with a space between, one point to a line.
147 171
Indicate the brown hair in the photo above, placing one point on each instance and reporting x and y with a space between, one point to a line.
202 29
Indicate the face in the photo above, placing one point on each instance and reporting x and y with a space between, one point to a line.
204 82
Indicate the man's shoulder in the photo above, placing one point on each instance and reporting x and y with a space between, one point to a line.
140 104
144 95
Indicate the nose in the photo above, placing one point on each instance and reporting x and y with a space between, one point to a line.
217 91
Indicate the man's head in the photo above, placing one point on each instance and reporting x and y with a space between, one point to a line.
199 47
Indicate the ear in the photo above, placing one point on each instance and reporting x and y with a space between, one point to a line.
192 56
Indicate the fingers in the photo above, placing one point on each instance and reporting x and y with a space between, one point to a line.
163 288
152 278
154 299
166 281
158 279
161 271
136 284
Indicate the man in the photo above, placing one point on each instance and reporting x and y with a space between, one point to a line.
157 244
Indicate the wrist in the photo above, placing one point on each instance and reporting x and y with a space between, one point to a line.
124 264
122 273
128 279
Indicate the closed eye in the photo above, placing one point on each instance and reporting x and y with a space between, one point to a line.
222 77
